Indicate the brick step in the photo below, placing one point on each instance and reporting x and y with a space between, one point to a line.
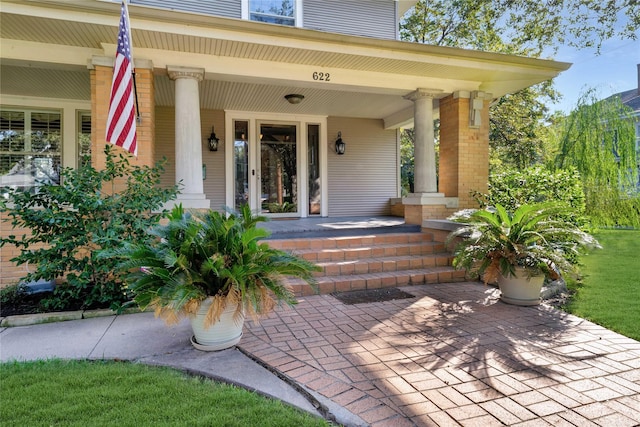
383 264
316 243
328 284
369 251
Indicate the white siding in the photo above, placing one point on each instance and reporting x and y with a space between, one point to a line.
362 181
226 8
369 18
214 185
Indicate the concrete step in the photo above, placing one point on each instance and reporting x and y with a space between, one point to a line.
369 251
328 284
304 243
383 264
374 261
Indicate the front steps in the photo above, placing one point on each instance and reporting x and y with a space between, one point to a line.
371 261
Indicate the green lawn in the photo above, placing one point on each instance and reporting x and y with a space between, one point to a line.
610 293
80 393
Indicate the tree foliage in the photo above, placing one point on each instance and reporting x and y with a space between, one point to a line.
513 188
515 126
526 27
598 139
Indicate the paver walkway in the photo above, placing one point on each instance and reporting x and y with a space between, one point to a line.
454 355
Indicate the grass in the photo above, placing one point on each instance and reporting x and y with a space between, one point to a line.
81 393
610 292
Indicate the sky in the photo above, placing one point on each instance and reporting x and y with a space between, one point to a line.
614 70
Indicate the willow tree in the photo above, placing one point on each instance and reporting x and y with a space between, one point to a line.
598 139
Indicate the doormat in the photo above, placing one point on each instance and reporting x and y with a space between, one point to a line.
371 295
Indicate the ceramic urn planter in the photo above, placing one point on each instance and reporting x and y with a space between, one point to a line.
521 289
222 334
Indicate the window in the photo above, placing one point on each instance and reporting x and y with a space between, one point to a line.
30 148
84 138
282 12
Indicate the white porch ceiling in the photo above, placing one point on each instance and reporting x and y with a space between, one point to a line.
45 47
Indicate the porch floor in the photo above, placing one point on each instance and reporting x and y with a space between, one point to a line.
282 228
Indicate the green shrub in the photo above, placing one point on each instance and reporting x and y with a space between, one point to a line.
12 294
72 222
514 188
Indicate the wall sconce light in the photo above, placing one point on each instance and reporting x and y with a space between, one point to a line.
340 145
476 102
213 141
294 98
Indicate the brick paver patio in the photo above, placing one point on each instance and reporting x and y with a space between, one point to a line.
454 355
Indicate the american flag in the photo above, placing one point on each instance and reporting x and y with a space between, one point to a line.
121 121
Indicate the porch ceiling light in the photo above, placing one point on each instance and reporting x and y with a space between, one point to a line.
213 141
340 145
294 98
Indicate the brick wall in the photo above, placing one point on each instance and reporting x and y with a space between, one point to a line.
464 152
101 77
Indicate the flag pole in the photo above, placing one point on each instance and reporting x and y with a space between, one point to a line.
121 120
133 72
135 91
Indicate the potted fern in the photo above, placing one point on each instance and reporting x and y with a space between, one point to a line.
518 250
212 268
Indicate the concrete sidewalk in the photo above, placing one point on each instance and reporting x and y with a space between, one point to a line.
451 356
144 339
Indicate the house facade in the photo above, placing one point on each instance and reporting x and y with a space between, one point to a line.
631 99
281 86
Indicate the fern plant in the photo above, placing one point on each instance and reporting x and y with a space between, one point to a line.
538 237
197 255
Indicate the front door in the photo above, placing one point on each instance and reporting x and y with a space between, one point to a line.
276 167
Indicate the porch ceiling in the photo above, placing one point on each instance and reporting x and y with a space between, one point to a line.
45 46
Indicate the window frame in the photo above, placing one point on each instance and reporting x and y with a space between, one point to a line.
28 132
297 12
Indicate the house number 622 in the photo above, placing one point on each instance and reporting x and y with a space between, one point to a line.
324 77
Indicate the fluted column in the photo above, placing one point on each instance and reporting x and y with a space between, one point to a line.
188 138
424 180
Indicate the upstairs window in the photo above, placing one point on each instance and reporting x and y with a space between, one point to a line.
282 12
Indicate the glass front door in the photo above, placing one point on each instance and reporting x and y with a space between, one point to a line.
276 166
278 177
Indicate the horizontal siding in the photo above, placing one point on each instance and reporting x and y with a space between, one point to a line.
214 185
226 8
361 181
368 18
165 147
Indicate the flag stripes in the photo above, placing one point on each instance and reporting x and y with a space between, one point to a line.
121 120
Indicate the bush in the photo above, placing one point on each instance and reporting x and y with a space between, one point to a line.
514 188
72 222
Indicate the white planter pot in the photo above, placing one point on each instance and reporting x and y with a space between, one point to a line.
521 289
222 334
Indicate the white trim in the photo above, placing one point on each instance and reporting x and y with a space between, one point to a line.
324 169
301 121
68 109
299 14
244 12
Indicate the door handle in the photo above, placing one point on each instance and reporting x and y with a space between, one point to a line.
253 172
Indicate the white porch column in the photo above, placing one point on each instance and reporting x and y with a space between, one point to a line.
424 180
425 202
188 137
